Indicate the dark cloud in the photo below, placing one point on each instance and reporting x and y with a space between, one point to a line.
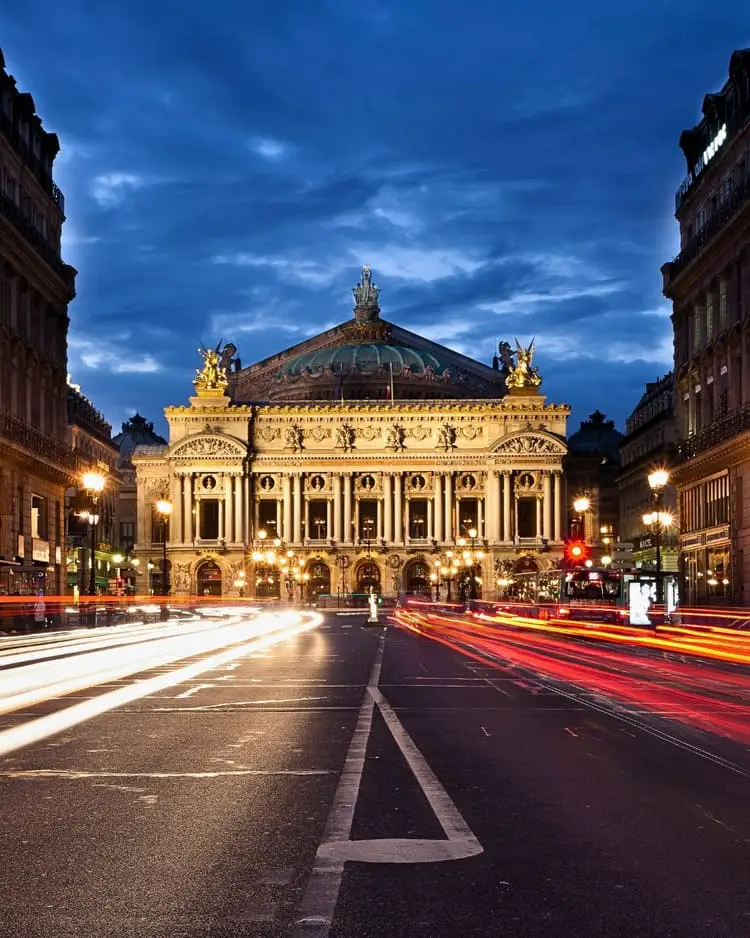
228 168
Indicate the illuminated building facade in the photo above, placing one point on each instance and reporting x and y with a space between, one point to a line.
367 457
90 438
649 442
709 285
37 463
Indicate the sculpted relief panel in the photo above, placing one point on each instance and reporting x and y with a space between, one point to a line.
530 445
210 446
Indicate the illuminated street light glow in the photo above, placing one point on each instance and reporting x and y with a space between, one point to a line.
581 504
93 481
658 479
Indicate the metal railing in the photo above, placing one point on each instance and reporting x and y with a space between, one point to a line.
31 160
18 431
713 226
717 432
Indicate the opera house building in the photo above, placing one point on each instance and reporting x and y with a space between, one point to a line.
364 459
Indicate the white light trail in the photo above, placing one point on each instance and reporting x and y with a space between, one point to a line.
277 629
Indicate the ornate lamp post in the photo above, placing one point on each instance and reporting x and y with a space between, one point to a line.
93 483
657 482
164 510
472 559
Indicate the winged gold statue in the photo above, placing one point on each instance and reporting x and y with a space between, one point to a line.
523 374
212 378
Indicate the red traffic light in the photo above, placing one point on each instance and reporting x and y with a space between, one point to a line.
576 551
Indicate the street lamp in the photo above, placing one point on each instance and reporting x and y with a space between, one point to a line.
164 510
657 481
93 483
580 506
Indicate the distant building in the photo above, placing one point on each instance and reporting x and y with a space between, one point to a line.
649 443
90 438
135 432
37 464
709 285
591 468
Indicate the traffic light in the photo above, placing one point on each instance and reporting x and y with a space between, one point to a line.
576 552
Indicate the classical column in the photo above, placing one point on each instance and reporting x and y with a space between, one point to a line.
337 509
538 517
480 517
547 526
388 507
398 509
175 522
248 528
228 525
558 506
379 520
287 519
448 519
239 528
297 479
348 533
438 482
187 509
329 519
279 517
430 519
506 507
142 515
221 518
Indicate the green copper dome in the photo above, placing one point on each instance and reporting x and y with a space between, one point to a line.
365 358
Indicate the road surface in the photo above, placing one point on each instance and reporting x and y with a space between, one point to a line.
321 778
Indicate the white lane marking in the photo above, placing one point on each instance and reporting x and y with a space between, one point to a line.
484 730
83 773
322 892
455 827
319 901
193 690
35 730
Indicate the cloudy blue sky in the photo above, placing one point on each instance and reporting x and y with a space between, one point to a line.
506 169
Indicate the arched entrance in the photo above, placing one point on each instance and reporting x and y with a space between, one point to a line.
267 582
209 579
367 577
526 564
320 580
417 578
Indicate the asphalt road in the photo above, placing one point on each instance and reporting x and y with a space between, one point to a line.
272 789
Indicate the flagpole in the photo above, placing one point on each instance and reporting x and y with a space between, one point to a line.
390 367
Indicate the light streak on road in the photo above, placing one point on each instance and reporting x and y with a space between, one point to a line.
264 632
104 662
683 686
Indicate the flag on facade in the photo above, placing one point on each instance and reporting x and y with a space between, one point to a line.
389 386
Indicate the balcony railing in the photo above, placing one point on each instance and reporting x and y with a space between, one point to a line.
18 431
717 432
713 226
34 164
12 212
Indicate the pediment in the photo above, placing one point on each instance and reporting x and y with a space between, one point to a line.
530 443
208 446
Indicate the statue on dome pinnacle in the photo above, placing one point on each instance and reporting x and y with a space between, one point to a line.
366 293
523 376
211 380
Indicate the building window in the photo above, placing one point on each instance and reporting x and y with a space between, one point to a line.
526 517
709 315
697 327
267 517
723 310
208 518
368 519
318 515
127 533
417 518
39 520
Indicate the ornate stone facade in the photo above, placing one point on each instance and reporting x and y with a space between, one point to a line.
334 497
